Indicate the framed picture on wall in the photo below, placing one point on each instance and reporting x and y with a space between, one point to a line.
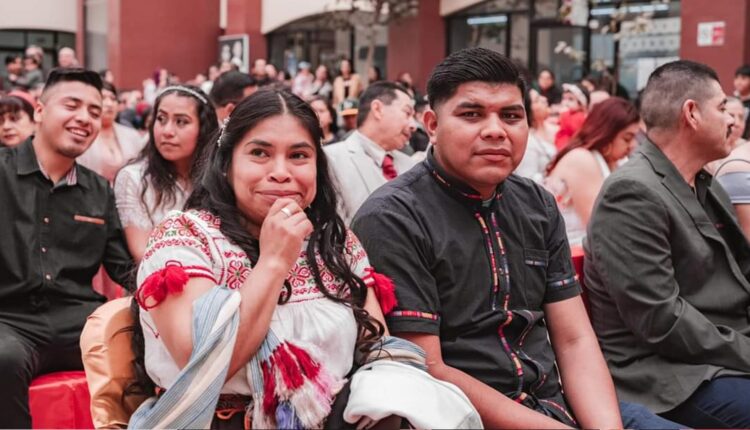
235 48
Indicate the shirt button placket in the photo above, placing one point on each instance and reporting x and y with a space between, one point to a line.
45 232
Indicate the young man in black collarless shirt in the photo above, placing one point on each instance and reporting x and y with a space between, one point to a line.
58 223
482 266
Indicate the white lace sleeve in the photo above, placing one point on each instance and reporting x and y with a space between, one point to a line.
130 207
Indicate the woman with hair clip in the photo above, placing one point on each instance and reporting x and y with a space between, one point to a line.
163 176
274 287
577 173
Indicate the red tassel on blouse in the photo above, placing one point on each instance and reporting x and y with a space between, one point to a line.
384 289
308 365
270 402
288 368
169 280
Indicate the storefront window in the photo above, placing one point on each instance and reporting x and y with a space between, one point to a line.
15 42
500 25
548 9
489 31
314 40
644 44
566 69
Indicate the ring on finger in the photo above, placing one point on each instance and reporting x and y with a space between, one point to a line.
287 212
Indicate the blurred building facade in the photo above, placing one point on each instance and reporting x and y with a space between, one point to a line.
133 37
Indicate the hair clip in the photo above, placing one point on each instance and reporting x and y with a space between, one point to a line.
221 132
183 89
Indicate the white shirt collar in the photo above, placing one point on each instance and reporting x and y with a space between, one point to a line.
372 149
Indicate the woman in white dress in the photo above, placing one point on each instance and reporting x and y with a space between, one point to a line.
577 173
163 176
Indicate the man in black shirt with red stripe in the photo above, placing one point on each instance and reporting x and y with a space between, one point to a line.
482 266
58 225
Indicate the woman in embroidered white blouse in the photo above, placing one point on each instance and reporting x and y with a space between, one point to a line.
262 222
162 177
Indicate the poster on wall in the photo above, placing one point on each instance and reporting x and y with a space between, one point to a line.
711 33
235 48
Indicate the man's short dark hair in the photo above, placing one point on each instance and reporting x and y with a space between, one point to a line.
58 76
473 65
385 91
230 87
669 86
743 70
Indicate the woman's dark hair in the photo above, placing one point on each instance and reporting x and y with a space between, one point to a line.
378 74
215 194
109 87
13 105
601 126
161 173
331 110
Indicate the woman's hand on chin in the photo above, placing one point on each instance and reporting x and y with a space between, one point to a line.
281 236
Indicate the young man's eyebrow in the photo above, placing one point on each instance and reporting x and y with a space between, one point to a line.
469 105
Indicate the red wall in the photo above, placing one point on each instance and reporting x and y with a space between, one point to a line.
417 44
736 49
244 17
81 32
179 35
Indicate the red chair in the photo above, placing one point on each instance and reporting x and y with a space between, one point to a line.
60 400
577 254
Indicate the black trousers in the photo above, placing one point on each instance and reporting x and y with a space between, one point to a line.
25 354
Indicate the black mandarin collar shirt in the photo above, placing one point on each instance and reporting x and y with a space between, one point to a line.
477 274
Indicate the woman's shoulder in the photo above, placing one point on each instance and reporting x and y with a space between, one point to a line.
130 173
577 161
737 161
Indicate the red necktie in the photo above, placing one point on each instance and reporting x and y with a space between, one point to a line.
389 171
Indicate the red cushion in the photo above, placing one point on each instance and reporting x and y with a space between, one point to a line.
577 254
60 400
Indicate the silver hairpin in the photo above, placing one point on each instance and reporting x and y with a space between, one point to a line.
190 91
223 127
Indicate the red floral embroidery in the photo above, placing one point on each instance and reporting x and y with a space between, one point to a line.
236 274
209 218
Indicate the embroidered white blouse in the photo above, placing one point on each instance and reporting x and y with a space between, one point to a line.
323 327
131 208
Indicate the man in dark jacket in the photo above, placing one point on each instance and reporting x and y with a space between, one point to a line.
667 264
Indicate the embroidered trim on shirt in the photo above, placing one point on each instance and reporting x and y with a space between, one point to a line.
540 263
448 185
564 282
414 314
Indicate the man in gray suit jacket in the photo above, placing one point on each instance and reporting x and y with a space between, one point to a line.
667 264
370 156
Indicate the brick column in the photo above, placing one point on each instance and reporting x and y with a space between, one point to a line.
179 35
417 44
735 50
244 17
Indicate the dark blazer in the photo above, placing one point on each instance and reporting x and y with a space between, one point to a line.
667 280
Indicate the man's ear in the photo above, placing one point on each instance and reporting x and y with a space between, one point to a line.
38 112
230 107
691 113
430 121
376 109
